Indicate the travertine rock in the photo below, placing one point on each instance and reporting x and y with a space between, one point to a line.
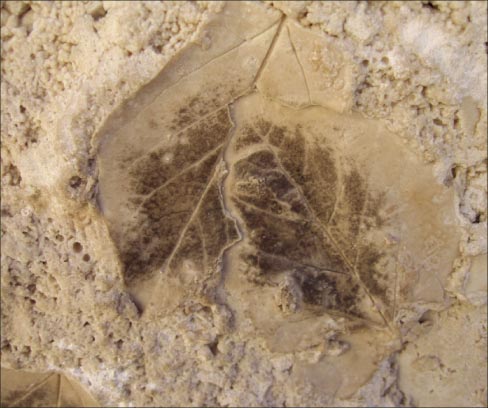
214 204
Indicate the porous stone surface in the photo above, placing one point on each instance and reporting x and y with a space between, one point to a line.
244 203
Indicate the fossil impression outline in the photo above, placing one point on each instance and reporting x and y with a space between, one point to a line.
242 160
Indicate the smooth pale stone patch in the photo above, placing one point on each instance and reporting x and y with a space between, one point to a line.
475 287
283 77
305 69
469 115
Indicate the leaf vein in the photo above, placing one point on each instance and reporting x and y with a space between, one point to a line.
172 179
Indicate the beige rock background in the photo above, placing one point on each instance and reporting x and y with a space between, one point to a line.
420 68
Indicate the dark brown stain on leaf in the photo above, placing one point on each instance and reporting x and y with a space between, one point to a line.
287 193
175 196
330 291
247 137
161 165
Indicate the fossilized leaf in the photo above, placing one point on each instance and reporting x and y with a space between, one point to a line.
32 389
240 171
242 159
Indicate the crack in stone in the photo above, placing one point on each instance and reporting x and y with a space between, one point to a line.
225 206
225 152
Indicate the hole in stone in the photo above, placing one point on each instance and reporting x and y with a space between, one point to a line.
75 182
7 347
206 309
426 318
90 276
77 247
137 304
26 351
24 11
98 13
430 5
86 257
213 346
158 49
437 121
59 237
5 212
91 165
